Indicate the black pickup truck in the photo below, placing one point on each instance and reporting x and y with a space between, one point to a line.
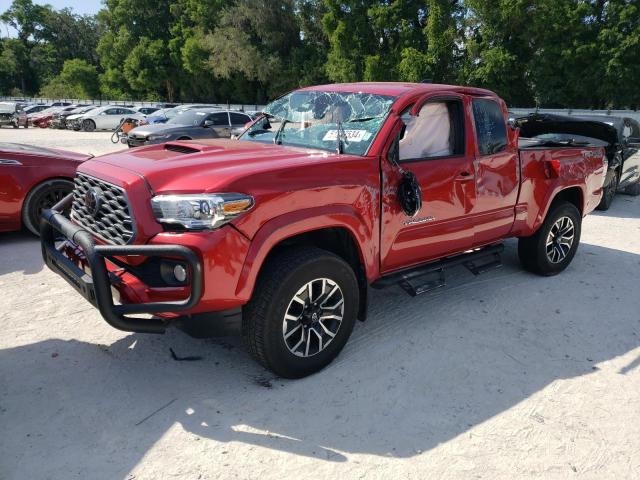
620 137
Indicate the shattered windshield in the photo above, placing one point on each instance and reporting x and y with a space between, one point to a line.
334 121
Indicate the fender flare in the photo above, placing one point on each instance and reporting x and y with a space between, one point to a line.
295 223
551 197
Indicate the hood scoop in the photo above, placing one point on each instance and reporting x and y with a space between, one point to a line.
181 148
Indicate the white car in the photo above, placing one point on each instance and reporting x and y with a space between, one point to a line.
106 118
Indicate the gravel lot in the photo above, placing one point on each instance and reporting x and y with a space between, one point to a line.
501 376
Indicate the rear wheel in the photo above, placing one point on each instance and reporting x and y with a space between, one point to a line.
552 248
609 192
88 125
43 196
302 311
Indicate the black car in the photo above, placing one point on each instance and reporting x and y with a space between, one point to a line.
188 125
621 136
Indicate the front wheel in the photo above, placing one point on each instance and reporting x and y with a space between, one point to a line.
88 125
552 248
302 312
42 197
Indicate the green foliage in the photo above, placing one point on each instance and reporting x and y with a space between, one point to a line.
78 79
555 53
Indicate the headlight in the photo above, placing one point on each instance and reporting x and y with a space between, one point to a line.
201 211
158 137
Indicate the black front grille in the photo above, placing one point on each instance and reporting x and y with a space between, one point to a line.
111 220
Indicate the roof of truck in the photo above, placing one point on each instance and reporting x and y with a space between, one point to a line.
395 89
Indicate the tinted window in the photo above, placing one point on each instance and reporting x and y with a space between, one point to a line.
219 119
112 111
238 118
490 126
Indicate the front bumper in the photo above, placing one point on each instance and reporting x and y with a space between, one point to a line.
96 286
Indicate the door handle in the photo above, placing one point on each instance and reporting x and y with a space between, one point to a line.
464 177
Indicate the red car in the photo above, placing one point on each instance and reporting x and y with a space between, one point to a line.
33 179
335 189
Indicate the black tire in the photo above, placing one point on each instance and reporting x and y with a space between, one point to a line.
280 281
88 125
633 189
533 250
26 124
609 192
15 124
41 197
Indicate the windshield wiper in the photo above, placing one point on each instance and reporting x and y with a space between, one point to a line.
364 119
279 131
340 136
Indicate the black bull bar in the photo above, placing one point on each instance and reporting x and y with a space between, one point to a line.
96 287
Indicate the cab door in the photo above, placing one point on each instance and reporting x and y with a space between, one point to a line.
497 172
433 145
631 154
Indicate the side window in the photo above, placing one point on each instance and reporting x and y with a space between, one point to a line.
238 118
437 131
490 126
111 111
219 119
126 111
635 130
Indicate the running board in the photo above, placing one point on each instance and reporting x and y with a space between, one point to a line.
429 277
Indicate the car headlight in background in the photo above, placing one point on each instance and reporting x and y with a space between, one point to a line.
200 211
153 138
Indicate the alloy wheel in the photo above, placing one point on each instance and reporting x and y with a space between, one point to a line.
560 240
313 317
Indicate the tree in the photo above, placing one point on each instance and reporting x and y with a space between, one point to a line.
78 79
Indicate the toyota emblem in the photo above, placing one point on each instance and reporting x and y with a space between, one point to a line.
93 201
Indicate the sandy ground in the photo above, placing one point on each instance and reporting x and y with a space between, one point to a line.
501 376
97 143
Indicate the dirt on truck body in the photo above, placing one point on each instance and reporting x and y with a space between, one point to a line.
333 190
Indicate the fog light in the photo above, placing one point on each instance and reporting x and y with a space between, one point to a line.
180 273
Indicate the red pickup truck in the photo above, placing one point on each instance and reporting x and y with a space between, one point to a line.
333 190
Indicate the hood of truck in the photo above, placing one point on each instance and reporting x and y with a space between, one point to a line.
210 165
538 124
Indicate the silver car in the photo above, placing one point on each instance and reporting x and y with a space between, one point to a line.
106 118
188 125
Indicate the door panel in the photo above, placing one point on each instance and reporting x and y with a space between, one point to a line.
631 155
497 174
441 227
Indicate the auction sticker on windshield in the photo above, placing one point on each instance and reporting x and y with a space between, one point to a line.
352 135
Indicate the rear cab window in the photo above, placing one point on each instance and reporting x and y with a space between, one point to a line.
491 129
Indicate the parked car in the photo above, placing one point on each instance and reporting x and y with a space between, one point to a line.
336 188
166 114
146 110
30 109
13 114
61 104
33 179
59 119
622 142
43 118
107 118
190 124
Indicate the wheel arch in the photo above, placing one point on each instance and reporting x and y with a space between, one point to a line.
339 233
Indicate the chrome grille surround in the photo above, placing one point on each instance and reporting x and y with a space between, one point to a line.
113 222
